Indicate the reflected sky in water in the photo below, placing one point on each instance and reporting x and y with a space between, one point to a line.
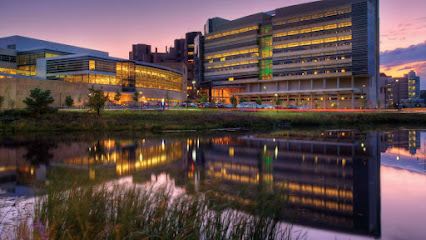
342 184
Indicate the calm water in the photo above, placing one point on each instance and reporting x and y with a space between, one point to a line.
343 184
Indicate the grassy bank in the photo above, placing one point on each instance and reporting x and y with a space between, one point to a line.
123 211
200 120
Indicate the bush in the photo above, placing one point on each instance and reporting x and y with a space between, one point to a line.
242 100
259 101
69 101
204 98
1 101
117 95
38 102
233 100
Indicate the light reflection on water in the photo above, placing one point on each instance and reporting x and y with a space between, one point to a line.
340 182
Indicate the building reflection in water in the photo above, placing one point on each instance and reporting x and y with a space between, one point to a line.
333 178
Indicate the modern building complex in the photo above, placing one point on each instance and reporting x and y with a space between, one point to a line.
68 70
321 54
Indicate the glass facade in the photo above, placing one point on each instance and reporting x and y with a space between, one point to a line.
127 74
26 61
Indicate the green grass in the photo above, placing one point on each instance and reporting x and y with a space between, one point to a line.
200 120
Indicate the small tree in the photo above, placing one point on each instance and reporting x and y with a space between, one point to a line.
278 101
117 95
38 102
317 105
233 100
299 104
242 100
135 96
204 98
259 101
69 101
1 101
96 100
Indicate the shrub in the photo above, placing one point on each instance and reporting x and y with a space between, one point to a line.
204 98
135 96
278 101
69 101
233 100
259 101
1 101
242 100
38 102
117 95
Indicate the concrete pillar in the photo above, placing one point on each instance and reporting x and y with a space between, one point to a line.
300 85
324 83
277 85
338 82
352 82
287 85
353 99
338 100
312 99
312 84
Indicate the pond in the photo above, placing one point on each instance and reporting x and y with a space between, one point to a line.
339 184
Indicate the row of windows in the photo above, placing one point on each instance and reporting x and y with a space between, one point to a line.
231 64
30 70
222 59
310 72
233 68
31 58
8 70
310 47
227 54
314 55
315 16
313 29
233 32
7 58
317 59
340 31
314 42
145 79
323 66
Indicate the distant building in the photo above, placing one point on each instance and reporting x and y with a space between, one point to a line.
322 54
181 52
402 91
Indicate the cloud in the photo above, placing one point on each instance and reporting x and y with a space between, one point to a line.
399 56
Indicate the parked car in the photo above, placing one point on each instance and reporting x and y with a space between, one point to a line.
305 107
192 105
220 105
227 105
266 106
248 105
279 107
292 107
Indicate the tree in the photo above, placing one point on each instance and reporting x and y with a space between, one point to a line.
69 101
1 101
117 95
204 98
259 101
233 100
242 100
38 102
96 99
278 101
135 96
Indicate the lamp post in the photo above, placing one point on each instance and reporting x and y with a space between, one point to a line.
363 101
399 104
264 87
193 89
140 94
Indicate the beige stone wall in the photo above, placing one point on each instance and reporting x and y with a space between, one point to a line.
15 90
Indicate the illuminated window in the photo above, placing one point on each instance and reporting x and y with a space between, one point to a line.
91 64
231 79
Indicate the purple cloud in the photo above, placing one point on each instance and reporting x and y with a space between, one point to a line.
399 56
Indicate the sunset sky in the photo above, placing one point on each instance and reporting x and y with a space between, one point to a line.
113 26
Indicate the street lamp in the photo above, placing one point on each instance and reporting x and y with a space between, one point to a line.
363 103
140 94
399 104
